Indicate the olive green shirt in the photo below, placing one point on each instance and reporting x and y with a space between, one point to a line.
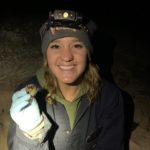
70 106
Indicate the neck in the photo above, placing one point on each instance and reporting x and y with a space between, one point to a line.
69 92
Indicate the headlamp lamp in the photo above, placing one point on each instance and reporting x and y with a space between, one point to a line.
67 18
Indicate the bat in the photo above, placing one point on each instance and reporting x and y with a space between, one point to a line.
32 90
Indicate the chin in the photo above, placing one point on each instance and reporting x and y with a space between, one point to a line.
71 82
68 82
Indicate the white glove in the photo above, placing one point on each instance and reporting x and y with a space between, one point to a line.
25 110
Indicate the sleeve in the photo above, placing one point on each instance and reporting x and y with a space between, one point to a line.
111 120
17 139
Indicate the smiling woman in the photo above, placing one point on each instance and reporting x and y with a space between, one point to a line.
74 107
67 58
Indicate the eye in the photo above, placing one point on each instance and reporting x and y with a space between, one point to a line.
54 46
79 45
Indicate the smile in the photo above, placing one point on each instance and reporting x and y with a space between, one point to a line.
68 67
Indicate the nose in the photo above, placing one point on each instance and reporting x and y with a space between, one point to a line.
67 54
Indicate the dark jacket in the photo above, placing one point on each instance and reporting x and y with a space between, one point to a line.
98 126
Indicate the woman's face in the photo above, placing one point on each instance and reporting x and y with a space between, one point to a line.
67 59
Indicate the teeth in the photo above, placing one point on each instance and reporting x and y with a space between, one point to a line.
66 67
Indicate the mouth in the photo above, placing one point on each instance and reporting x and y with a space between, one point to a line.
66 67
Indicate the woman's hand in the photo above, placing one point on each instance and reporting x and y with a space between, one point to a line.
24 109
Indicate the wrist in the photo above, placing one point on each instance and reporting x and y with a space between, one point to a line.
36 133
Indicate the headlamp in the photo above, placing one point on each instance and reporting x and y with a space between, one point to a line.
67 18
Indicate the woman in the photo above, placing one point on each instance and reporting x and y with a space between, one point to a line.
66 105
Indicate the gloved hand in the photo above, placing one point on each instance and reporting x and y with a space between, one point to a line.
25 110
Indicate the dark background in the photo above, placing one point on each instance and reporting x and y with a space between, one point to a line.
131 15
128 11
